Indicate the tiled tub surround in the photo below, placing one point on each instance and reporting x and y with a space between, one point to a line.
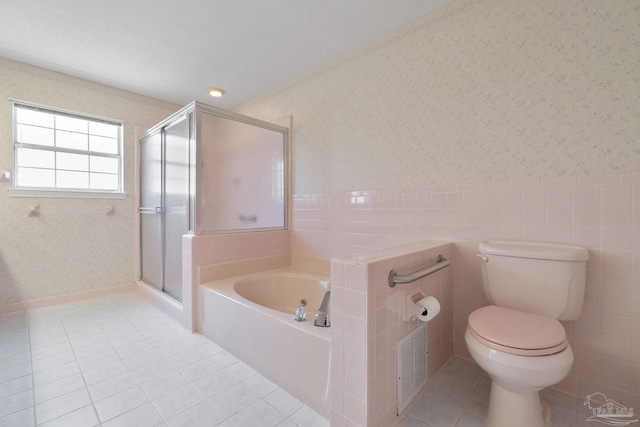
600 213
213 257
365 330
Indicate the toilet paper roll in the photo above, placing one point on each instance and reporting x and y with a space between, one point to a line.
427 308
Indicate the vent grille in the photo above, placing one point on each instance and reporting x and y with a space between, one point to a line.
411 356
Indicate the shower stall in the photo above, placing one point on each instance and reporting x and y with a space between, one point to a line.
204 170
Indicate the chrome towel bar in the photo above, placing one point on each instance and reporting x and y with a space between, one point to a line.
395 278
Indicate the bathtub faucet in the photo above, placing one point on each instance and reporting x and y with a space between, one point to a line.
322 317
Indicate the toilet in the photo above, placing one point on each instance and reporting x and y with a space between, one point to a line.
518 339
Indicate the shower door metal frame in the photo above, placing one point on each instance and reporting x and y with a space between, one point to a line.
183 114
199 109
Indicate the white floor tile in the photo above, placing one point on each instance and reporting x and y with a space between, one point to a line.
449 392
82 340
92 349
435 412
241 370
224 358
200 369
17 385
8 373
284 402
142 359
16 358
165 384
112 386
215 383
259 414
201 415
83 417
48 338
113 332
54 374
15 402
125 340
51 350
142 416
178 401
98 360
234 400
53 361
152 370
58 388
134 348
174 347
468 420
260 385
54 408
409 421
104 372
210 348
184 358
309 418
24 418
120 403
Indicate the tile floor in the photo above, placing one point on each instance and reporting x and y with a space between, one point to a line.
118 361
459 396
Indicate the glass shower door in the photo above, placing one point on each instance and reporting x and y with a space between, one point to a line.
164 205
176 202
151 229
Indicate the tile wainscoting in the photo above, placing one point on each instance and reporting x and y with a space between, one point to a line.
601 213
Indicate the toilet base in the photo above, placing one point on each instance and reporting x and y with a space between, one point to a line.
508 409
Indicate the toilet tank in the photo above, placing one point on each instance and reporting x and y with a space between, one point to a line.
540 278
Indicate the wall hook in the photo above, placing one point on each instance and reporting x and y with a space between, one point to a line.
33 210
110 209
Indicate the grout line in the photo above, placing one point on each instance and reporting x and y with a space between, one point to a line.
33 384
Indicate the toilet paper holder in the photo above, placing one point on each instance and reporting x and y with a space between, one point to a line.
411 308
407 306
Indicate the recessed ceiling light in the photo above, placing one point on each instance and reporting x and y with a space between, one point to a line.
215 92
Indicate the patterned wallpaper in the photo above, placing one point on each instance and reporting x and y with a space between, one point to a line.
72 246
477 91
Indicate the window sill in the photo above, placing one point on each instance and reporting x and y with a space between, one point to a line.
66 194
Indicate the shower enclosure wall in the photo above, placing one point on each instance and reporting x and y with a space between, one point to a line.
206 171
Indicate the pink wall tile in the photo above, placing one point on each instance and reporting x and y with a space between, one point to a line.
560 181
600 213
511 197
599 179
534 197
559 196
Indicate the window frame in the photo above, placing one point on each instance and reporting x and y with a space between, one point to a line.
63 192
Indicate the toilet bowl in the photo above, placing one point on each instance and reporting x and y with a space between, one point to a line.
518 339
523 353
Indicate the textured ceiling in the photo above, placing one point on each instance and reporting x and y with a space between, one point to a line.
174 49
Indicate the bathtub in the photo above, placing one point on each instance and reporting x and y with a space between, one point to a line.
252 318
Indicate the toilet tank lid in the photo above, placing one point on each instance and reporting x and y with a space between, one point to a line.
535 250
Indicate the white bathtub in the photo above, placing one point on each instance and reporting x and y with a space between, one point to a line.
252 317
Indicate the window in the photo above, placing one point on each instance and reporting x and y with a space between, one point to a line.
62 153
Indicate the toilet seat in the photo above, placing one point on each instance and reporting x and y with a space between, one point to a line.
517 332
